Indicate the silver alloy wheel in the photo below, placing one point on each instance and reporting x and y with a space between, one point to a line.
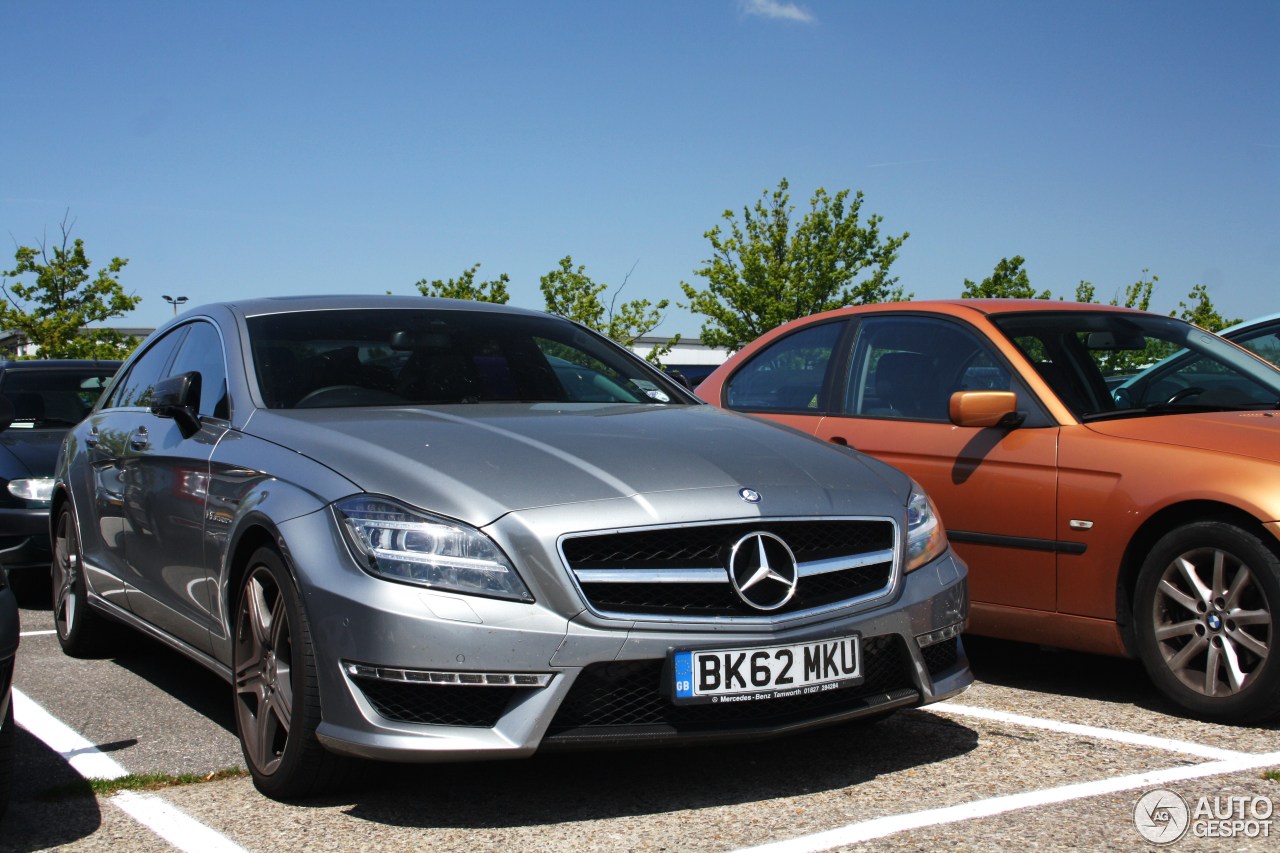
66 572
264 671
1212 621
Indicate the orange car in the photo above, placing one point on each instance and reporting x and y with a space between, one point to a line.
1111 476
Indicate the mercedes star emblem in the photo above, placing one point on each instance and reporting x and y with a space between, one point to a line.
763 570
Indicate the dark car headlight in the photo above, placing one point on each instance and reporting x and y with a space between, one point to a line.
926 538
37 490
402 544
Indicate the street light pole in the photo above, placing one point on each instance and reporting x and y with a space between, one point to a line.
175 301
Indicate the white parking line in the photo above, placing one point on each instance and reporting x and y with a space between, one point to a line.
173 825
1224 761
161 817
36 633
1131 738
83 756
881 827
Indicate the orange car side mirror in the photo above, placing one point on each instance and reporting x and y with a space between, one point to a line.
985 409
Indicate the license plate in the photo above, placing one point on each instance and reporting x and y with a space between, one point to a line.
771 672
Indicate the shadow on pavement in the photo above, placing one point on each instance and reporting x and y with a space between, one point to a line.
51 804
609 784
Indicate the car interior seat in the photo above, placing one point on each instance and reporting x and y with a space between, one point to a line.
908 382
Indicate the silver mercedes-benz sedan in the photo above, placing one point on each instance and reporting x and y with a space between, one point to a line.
428 530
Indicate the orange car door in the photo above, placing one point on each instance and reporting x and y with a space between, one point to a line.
995 487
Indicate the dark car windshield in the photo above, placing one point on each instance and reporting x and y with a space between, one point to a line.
1124 365
387 357
53 397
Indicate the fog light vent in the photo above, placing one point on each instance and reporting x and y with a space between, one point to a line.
441 677
942 634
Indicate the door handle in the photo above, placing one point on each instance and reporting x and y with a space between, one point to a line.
840 440
140 440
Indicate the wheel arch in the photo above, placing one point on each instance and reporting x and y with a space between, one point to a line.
1145 537
255 533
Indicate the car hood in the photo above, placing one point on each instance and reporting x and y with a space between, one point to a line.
1253 434
36 450
479 462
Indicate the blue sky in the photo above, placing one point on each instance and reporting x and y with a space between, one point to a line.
236 148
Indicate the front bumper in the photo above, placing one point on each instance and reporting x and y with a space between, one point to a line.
384 649
24 538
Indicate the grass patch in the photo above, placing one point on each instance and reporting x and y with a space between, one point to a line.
138 782
1272 775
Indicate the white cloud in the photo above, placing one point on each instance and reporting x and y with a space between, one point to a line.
778 10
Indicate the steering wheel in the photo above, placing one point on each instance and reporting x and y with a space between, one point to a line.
1183 393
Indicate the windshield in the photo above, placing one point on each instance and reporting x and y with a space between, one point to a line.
53 397
1124 365
383 357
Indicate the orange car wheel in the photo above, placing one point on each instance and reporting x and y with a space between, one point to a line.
1205 613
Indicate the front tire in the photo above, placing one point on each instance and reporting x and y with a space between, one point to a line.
277 694
82 632
1205 610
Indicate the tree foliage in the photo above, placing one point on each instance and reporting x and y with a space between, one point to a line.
763 272
466 287
571 293
1008 281
1137 295
54 309
1201 311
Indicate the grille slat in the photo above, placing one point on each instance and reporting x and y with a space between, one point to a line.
707 547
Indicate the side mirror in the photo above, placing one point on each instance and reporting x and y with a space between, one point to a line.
6 413
985 409
178 397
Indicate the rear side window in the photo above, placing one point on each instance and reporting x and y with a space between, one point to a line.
1264 342
789 375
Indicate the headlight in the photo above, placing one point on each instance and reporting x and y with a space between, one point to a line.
38 489
925 536
401 544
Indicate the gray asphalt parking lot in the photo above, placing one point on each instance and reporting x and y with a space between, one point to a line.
1049 749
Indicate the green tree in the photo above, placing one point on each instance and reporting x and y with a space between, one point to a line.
1201 311
1008 281
54 310
763 273
465 287
571 293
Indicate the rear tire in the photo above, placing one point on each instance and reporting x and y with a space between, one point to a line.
82 631
1205 610
277 692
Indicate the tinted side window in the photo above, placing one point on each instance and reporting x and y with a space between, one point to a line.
789 375
1264 342
202 352
135 387
908 367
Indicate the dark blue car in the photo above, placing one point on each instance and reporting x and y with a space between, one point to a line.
41 400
